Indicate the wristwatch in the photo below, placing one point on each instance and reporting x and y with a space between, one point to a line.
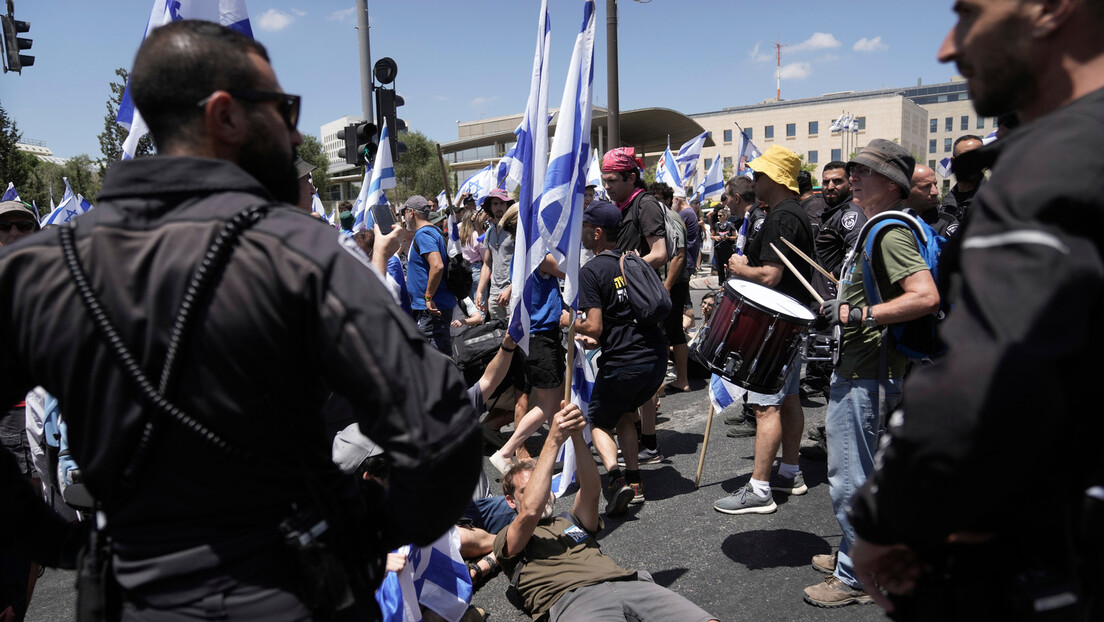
870 321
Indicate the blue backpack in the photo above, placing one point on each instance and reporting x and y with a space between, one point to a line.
916 339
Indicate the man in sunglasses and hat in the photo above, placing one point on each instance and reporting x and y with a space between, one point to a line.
17 221
204 441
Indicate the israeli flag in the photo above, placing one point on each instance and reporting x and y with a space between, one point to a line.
532 152
71 206
383 177
582 386
748 152
990 137
452 244
435 577
723 393
508 172
714 183
11 194
229 13
480 184
442 199
688 154
841 124
594 177
944 167
741 237
667 172
316 201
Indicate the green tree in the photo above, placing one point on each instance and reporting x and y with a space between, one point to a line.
418 171
113 134
811 168
311 151
16 166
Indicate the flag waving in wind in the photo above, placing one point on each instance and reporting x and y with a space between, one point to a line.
383 177
11 194
229 13
688 154
713 185
667 172
532 152
71 206
748 152
594 177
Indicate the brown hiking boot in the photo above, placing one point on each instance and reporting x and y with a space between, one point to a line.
825 563
835 593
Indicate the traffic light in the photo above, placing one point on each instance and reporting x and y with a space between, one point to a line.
361 142
387 102
13 44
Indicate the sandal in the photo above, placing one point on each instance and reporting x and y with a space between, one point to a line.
480 577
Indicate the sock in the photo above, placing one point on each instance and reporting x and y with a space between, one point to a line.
788 470
632 476
648 441
760 487
614 473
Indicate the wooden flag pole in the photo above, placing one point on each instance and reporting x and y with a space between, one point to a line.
444 175
705 443
570 363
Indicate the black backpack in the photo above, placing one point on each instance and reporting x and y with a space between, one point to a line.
648 298
475 346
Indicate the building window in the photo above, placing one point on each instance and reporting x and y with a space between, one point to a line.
727 163
813 157
814 128
946 145
932 146
949 125
946 186
981 123
931 164
768 132
965 122
994 123
860 123
836 154
747 132
728 136
791 130
934 123
708 163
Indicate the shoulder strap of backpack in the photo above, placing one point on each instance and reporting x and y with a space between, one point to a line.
871 234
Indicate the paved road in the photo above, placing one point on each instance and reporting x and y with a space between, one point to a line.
736 567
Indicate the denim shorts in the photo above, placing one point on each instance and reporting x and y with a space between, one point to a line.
621 389
791 386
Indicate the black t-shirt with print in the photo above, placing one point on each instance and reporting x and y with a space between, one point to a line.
601 286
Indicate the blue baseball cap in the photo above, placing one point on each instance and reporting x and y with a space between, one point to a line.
603 214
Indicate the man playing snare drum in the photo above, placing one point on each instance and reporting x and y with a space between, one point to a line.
880 180
779 418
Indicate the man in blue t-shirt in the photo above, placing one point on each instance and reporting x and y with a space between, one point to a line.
431 302
633 361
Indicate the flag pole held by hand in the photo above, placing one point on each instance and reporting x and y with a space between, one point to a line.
444 174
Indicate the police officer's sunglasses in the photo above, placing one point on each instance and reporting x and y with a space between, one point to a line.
22 225
288 105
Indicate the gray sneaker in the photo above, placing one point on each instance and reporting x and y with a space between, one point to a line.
788 485
644 456
744 430
745 501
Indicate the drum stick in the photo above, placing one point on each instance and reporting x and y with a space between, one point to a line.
444 174
815 265
705 443
789 265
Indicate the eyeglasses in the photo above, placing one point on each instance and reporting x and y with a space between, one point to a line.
861 170
288 105
22 225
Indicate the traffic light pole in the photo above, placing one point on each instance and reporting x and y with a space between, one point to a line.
365 60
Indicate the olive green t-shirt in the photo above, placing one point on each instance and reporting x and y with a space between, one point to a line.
895 257
562 557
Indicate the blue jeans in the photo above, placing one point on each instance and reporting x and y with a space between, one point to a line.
435 328
851 427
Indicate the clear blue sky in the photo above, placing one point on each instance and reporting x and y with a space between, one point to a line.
472 59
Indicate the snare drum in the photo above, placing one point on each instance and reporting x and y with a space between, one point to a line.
754 336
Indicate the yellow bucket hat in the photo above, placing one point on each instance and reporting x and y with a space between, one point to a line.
780 164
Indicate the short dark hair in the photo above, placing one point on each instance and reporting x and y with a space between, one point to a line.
964 138
742 186
508 486
833 165
804 182
662 191
344 206
710 296
182 62
639 178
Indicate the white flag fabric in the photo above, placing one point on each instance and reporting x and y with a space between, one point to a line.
748 152
667 172
594 177
582 385
944 167
532 152
479 185
71 206
688 154
435 577
383 178
714 183
723 393
229 13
